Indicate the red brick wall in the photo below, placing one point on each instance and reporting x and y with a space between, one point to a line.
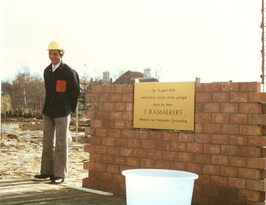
226 150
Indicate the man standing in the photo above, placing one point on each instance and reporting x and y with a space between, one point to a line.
62 92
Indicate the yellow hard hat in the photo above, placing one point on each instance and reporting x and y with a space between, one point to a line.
55 46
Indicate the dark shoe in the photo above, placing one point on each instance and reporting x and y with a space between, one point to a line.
44 176
57 180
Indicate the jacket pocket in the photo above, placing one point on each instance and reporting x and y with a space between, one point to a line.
61 86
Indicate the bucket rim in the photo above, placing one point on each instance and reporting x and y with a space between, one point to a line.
134 172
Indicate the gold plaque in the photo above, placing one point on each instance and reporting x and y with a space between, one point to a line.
164 105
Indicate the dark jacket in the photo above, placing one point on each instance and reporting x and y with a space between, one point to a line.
62 91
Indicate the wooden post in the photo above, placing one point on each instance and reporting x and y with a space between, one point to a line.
77 122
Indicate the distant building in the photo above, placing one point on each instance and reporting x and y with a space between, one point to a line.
129 77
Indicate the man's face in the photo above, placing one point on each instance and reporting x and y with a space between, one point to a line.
55 56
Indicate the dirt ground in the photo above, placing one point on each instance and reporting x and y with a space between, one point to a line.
20 159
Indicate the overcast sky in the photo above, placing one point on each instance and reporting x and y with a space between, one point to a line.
216 40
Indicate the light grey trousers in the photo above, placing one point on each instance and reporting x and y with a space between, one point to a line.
55 158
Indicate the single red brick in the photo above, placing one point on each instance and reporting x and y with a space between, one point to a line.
109 106
228 192
115 115
211 107
120 106
195 168
220 118
154 135
139 134
96 123
258 185
89 148
203 117
89 131
250 130
248 195
217 200
198 127
229 150
186 137
229 129
229 86
127 97
237 183
257 119
212 128
133 143
178 166
133 162
200 199
127 115
87 182
120 160
169 155
219 159
185 157
128 133
219 139
112 168
130 88
140 153
203 179
107 159
198 107
162 164
108 141
203 138
220 97
129 124
100 167
120 142
162 145
237 161
108 123
106 176
237 140
101 149
203 97
127 151
199 87
210 190
88 165
229 107
195 147
219 181
238 118
114 133
147 163
95 157
129 107
169 136
254 97
256 141
238 97
108 88
250 108
119 124
202 158
118 178
249 86
95 140
103 115
249 173
94 174
96 89
101 132
250 151
120 88
148 144
91 115
178 146
212 86
113 150
115 97
155 154
256 163
228 171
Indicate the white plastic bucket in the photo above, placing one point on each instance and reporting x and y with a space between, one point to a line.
159 187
